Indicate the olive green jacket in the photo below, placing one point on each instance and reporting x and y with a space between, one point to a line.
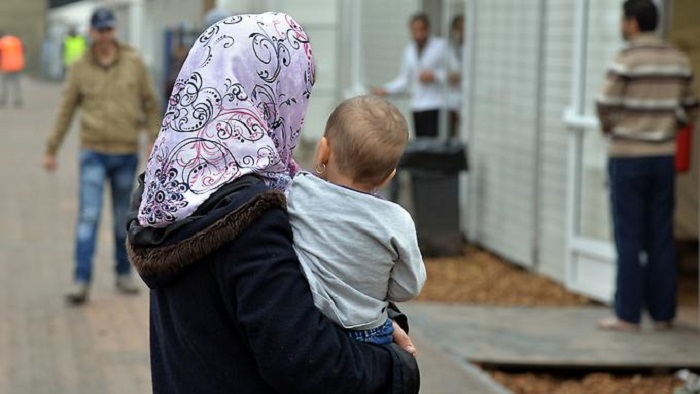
116 103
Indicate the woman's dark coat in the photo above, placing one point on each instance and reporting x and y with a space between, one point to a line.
231 311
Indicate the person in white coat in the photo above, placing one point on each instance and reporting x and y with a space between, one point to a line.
423 72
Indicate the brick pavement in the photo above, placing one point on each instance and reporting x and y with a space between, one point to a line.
45 345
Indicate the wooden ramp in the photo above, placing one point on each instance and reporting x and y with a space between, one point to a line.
550 338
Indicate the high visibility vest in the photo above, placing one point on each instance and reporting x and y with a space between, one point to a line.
73 49
11 54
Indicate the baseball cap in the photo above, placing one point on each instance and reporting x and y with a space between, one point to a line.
103 18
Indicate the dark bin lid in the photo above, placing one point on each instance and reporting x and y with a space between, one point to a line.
434 154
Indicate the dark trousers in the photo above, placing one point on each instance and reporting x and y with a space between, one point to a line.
642 194
426 123
453 117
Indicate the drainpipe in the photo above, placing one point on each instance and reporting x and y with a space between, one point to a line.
443 129
539 125
356 86
469 217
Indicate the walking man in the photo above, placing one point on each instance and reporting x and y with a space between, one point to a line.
647 94
113 89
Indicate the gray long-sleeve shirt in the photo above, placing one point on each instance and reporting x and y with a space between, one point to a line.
357 251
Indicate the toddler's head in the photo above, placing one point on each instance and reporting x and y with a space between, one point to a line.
364 140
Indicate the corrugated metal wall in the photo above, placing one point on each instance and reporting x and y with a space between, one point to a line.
385 34
558 62
321 20
503 118
522 78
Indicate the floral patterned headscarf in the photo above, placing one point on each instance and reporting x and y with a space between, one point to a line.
237 108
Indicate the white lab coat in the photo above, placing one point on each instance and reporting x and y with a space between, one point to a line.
425 97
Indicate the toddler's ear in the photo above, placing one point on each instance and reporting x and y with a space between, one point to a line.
323 151
388 178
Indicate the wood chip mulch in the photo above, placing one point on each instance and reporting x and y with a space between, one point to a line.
598 383
482 278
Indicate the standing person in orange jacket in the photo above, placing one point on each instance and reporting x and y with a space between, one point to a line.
11 66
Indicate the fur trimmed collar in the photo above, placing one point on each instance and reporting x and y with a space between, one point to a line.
171 259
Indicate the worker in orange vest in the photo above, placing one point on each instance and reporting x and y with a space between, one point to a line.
11 66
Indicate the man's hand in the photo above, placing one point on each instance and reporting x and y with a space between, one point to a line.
455 78
381 92
50 162
426 76
402 339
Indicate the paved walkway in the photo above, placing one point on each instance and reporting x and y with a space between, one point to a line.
550 337
48 347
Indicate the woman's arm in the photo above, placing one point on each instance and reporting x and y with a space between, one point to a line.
296 348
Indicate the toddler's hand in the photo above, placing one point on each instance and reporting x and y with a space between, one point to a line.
402 339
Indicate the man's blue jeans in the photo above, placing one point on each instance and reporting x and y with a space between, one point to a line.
95 169
642 193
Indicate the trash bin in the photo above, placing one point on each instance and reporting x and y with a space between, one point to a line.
434 166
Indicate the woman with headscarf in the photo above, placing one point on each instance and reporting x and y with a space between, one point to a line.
209 234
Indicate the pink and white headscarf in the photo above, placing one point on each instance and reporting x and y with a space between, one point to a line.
237 108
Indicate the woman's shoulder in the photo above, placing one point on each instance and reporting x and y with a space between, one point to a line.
222 222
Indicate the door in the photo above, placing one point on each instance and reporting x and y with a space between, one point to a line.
590 250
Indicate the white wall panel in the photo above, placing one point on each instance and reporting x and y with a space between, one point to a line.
503 117
159 15
558 64
321 20
312 12
506 172
384 36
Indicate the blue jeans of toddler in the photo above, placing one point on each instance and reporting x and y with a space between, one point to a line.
380 335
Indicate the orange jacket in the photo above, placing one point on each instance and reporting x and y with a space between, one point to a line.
11 54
